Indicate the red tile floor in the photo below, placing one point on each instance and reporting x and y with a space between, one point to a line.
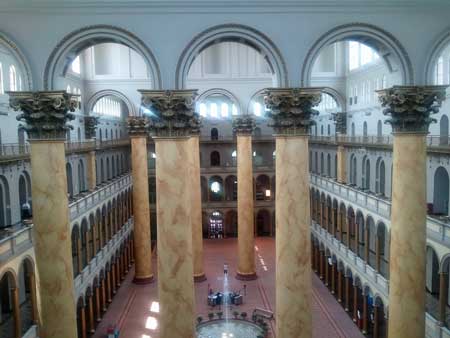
131 309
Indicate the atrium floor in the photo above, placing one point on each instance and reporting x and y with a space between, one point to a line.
131 307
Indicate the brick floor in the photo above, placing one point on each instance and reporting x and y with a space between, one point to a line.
131 307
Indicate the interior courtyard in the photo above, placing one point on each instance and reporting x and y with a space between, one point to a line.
234 169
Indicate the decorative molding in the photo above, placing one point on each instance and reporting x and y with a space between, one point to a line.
410 107
371 35
172 112
231 32
24 65
244 124
291 109
73 43
137 126
45 113
90 126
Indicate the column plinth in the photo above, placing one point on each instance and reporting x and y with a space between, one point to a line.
409 109
137 128
45 115
172 123
196 210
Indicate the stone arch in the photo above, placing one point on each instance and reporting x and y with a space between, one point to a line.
382 41
73 43
335 95
442 41
89 106
22 60
232 32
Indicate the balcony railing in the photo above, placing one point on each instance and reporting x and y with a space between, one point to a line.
87 202
437 228
16 240
16 150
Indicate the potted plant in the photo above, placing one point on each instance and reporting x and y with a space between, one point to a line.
211 316
235 314
199 319
244 315
220 315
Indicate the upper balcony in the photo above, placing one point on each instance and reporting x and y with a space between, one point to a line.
15 151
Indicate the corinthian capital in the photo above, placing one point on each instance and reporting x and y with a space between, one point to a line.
244 124
172 112
340 119
291 109
410 107
137 126
45 113
90 126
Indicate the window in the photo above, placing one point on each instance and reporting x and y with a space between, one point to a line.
234 110
213 109
439 72
353 49
2 89
76 65
108 106
257 108
360 55
203 109
384 82
68 89
12 78
224 110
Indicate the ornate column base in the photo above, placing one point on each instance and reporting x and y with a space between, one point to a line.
200 278
143 280
246 276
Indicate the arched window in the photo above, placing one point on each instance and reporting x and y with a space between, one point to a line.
353 169
328 130
12 78
68 89
443 130
321 130
439 71
365 183
322 169
215 159
441 192
365 129
380 179
81 177
316 163
257 132
214 134
353 129
379 129
79 134
329 164
5 211
69 179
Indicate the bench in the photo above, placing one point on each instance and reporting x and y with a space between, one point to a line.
262 313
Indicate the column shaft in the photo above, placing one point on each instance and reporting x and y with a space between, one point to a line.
365 315
339 286
293 240
141 210
16 313
196 210
408 238
355 303
246 247
443 297
83 322
341 165
333 278
52 239
91 171
175 264
347 293
91 314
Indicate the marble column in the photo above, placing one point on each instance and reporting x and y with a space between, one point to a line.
290 111
409 109
355 303
16 312
83 322
45 115
341 164
173 121
376 315
339 290
33 296
243 127
347 293
196 209
91 171
333 278
108 286
321 264
137 129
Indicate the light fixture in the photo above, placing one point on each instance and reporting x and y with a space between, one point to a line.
215 187
267 193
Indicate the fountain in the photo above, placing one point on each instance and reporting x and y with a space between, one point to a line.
229 327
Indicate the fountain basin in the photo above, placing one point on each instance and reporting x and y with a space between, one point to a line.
231 328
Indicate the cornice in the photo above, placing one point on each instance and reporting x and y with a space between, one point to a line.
208 6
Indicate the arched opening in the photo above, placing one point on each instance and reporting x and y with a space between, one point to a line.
27 295
25 196
81 177
263 223
382 247
84 243
262 188
440 192
380 179
9 305
361 235
372 243
216 225
76 258
432 282
443 130
231 188
69 180
214 159
214 134
216 193
231 223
